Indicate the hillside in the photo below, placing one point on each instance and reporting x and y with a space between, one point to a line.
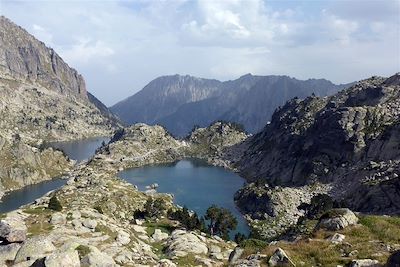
249 100
346 146
41 99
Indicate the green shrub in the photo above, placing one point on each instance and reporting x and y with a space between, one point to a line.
54 204
188 220
318 206
83 250
153 208
253 243
221 221
239 238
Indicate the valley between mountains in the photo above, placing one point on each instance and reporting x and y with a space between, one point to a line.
321 164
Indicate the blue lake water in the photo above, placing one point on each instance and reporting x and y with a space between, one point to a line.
28 194
78 150
194 184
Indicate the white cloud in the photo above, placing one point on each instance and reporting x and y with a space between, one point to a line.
231 23
340 30
42 34
85 50
123 44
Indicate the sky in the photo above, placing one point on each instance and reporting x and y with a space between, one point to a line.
121 45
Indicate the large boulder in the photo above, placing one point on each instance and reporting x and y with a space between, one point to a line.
97 259
58 218
34 248
8 252
365 263
235 254
280 258
13 228
123 238
182 243
337 219
68 258
89 223
159 236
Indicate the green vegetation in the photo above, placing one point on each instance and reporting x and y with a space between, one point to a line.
318 206
39 228
54 204
253 244
239 238
221 221
37 210
164 225
83 251
189 220
367 238
153 208
106 231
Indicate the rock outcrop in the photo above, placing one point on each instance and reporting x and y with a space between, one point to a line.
41 96
337 219
23 57
345 146
22 164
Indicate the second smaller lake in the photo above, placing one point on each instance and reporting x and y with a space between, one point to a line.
15 199
79 150
194 184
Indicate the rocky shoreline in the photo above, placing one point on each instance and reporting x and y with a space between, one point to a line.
96 224
94 186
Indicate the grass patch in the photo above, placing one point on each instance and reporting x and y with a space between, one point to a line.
39 228
82 251
106 231
188 260
369 238
253 244
37 211
164 225
386 229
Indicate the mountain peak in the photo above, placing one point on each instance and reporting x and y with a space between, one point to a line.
26 58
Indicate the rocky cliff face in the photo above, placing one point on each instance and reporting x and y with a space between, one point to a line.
347 143
249 100
23 57
41 95
41 99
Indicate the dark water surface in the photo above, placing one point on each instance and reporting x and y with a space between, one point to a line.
194 184
78 150
17 198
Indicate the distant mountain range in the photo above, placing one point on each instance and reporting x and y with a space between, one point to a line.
181 102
